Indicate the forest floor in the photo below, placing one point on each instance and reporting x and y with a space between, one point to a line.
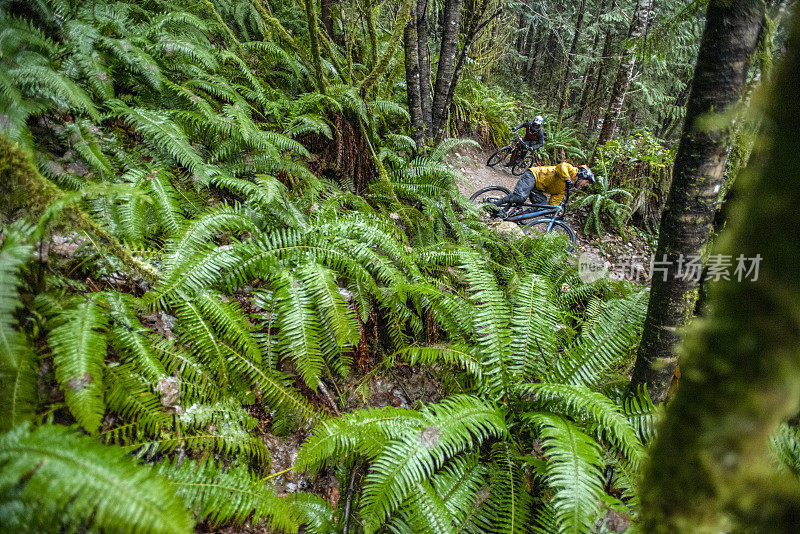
624 257
373 384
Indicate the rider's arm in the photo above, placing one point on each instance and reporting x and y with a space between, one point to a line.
556 199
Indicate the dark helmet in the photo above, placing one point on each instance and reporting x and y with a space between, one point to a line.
585 173
538 120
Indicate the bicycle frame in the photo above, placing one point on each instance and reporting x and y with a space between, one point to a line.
536 211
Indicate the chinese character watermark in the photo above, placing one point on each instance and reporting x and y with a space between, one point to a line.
688 268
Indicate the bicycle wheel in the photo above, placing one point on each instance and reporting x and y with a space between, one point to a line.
487 194
539 226
522 165
499 155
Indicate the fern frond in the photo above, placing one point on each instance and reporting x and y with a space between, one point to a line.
573 469
507 501
364 431
453 426
158 128
785 446
605 418
613 335
76 481
79 351
233 495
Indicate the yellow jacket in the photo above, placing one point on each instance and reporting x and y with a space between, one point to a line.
552 180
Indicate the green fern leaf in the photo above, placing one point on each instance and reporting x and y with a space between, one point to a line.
573 469
79 351
78 482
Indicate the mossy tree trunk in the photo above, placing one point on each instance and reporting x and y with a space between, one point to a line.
413 85
313 37
424 63
447 62
592 66
625 71
710 467
729 40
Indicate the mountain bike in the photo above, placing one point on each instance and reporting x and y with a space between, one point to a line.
534 218
517 152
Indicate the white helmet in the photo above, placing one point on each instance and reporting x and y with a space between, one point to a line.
538 120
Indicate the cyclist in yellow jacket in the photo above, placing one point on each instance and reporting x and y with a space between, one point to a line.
537 181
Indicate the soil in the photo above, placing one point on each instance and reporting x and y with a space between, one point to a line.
624 257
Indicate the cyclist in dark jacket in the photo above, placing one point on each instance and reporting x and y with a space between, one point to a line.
534 135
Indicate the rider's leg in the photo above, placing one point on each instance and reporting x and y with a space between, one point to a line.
521 191
537 197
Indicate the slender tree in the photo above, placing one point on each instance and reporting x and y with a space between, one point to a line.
313 29
413 86
730 38
475 25
447 62
625 71
325 15
424 63
711 462
592 66
563 91
605 64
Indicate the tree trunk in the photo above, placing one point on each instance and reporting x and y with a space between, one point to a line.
533 60
591 68
625 71
394 41
475 28
711 463
424 63
729 40
327 19
447 61
413 78
563 92
605 64
372 33
316 58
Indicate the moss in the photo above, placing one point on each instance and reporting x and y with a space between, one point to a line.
710 469
25 192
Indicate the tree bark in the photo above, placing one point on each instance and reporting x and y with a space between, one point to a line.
424 63
316 58
372 33
447 60
625 71
533 59
563 92
475 28
605 64
711 463
729 40
591 68
325 15
413 78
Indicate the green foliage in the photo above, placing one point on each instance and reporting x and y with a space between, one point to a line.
189 145
17 372
72 480
602 203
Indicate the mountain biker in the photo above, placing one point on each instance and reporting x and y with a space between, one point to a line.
537 181
534 135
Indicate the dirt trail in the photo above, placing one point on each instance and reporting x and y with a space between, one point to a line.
609 251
